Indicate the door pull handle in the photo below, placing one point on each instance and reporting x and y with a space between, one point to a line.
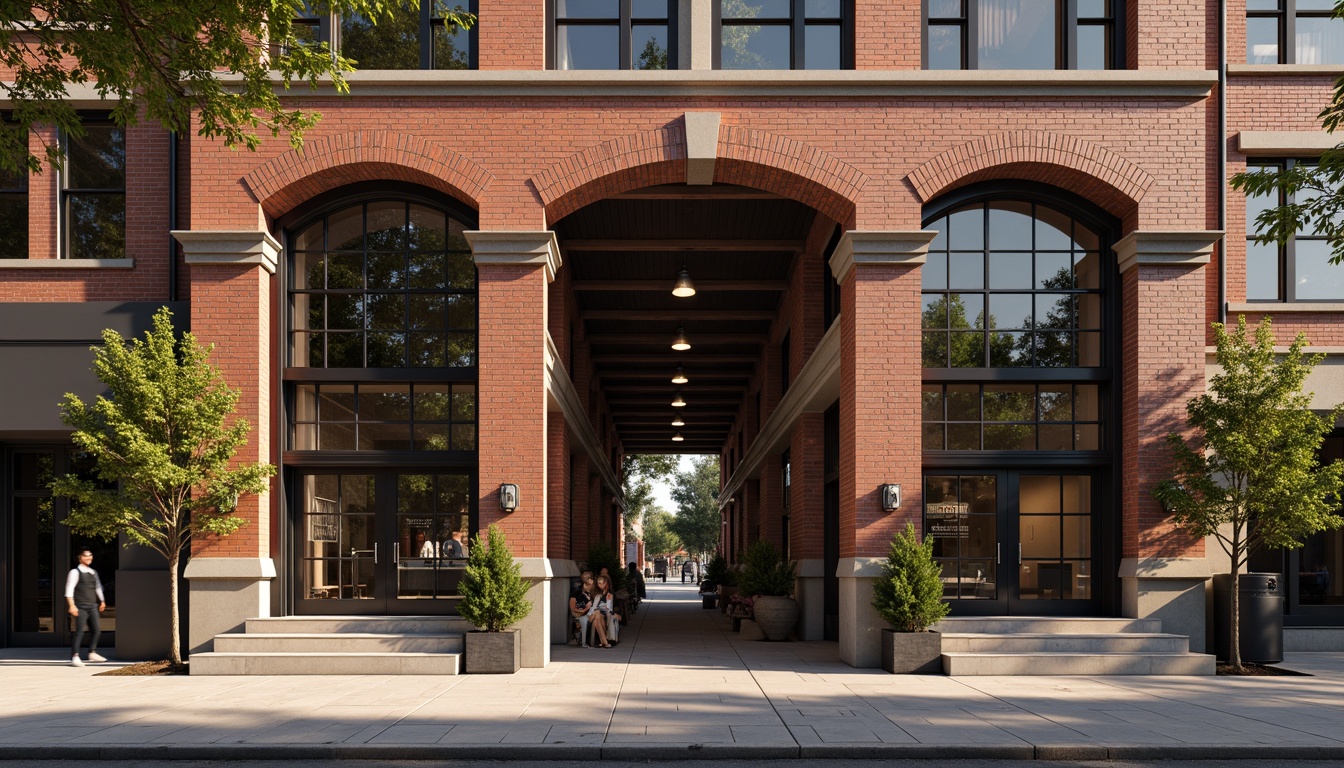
1019 554
997 552
375 553
396 553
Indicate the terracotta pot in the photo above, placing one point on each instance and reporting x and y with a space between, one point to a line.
776 616
905 653
492 653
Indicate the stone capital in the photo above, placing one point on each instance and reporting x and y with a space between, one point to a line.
229 246
516 247
228 568
859 247
1171 248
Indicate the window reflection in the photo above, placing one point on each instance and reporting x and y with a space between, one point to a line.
768 34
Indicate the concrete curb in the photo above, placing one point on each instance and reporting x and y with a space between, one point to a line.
662 752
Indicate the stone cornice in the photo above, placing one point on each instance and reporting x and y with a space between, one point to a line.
516 247
883 248
1125 84
565 398
1285 143
1170 248
67 264
229 246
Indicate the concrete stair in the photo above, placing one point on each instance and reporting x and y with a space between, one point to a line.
338 645
1021 645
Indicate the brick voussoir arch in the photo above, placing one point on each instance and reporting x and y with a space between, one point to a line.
746 157
1011 152
328 162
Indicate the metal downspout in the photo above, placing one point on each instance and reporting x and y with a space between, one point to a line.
172 215
1222 160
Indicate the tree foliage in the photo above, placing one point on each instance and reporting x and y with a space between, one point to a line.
658 536
168 61
1252 478
697 522
161 446
909 595
638 474
494 594
1313 194
764 572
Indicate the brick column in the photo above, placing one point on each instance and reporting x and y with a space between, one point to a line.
513 272
1163 569
229 578
880 370
806 480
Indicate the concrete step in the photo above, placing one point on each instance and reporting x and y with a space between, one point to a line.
1045 625
1119 642
382 625
218 663
972 664
338 642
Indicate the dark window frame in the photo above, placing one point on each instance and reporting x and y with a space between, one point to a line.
1287 252
328 27
1287 15
797 23
17 193
625 23
1066 33
67 192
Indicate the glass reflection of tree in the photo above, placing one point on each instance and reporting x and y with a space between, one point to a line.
736 38
393 42
963 350
654 56
1054 342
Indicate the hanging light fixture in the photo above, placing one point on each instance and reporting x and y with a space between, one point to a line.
680 376
680 343
678 401
677 438
683 288
677 421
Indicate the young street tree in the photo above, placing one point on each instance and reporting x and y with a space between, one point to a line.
161 443
658 536
638 474
1252 479
698 521
1304 197
167 60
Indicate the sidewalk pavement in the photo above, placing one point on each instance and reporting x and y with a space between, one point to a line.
680 685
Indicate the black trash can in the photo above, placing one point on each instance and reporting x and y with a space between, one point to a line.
1261 598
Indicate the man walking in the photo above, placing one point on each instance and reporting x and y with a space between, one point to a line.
84 596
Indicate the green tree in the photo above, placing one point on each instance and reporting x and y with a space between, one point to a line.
161 446
168 62
494 594
909 595
1316 191
654 56
1252 479
638 474
695 492
658 536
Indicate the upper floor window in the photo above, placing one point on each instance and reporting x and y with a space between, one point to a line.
1012 284
93 193
383 284
412 37
614 34
1021 34
14 214
785 34
1298 270
1293 32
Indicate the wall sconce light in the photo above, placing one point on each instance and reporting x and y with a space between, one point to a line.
508 497
891 497
680 376
680 343
677 438
677 422
678 401
683 288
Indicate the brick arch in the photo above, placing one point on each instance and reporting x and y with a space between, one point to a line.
1081 167
287 180
745 157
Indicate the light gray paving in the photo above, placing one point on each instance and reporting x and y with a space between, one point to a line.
681 684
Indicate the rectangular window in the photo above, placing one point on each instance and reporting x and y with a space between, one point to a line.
1298 270
1012 417
93 193
1022 34
14 215
411 37
383 417
784 34
614 34
1293 32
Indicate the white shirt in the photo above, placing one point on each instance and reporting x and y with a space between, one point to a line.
73 579
429 549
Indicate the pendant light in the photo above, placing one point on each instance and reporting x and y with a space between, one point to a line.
680 376
677 421
678 401
683 288
680 343
677 438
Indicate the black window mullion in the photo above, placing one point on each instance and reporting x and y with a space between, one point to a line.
797 34
1288 33
971 25
624 46
1068 40
426 34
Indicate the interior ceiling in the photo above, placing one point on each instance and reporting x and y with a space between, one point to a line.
625 253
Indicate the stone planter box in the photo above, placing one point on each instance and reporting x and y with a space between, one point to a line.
905 653
493 653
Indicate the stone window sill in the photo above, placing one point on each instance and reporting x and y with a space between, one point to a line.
1285 308
1285 70
67 263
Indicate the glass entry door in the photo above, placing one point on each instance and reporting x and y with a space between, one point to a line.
1013 543
381 542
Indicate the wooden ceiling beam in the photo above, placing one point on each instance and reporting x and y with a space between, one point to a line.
665 339
643 315
694 375
666 285
683 192
674 358
698 245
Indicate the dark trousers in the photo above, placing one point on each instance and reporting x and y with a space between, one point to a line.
88 617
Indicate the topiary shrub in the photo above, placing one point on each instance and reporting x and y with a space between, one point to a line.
909 596
716 570
494 595
764 572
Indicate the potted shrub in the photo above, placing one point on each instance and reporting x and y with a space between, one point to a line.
909 597
769 581
494 597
